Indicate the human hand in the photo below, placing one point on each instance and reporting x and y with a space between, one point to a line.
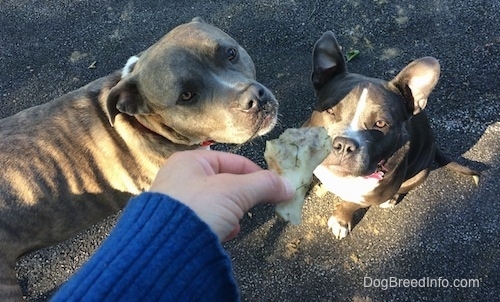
219 187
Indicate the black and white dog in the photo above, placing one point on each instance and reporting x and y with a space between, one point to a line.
383 145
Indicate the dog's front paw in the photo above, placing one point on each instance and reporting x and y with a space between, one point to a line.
388 204
339 228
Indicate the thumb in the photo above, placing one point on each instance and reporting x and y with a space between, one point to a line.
233 233
265 186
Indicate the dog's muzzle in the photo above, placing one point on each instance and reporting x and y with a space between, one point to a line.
256 98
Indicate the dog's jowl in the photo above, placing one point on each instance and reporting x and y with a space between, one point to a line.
73 161
383 145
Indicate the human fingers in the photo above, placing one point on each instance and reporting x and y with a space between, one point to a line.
239 194
259 187
188 164
223 162
233 233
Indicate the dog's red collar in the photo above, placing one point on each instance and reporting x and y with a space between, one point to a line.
207 143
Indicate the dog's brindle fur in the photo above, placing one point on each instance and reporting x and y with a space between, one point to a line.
70 163
383 145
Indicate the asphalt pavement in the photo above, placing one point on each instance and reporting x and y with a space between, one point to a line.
441 243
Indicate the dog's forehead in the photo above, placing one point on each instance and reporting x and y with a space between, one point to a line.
354 102
363 102
365 95
184 45
354 91
187 42
198 34
351 96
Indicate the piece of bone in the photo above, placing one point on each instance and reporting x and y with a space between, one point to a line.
295 155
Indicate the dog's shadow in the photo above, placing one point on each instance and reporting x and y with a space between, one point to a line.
270 228
265 214
472 164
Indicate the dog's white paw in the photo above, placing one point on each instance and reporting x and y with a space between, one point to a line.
339 229
388 204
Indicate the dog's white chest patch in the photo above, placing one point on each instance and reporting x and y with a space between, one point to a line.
349 188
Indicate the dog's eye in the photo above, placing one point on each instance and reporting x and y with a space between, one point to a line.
330 111
380 124
187 96
231 54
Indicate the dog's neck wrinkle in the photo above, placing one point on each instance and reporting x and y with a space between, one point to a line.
148 129
179 139
147 146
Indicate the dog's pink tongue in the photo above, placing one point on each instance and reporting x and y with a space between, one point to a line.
379 175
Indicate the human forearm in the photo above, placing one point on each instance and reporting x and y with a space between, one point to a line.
159 250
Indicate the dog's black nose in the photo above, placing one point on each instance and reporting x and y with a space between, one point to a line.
253 99
344 145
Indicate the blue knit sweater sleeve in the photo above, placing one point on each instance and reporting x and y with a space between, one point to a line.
159 251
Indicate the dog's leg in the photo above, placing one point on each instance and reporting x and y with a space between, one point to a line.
413 182
389 203
341 221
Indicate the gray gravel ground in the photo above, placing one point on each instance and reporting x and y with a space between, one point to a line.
445 229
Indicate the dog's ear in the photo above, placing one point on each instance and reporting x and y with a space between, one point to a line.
125 98
416 81
328 60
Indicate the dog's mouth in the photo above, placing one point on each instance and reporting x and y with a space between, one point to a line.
378 174
266 123
379 171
